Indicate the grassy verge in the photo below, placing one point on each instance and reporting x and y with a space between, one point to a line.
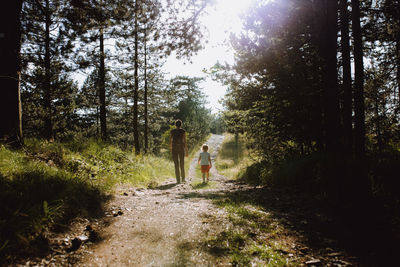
233 157
47 184
253 237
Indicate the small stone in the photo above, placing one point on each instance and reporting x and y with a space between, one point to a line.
335 254
120 212
125 194
66 242
314 262
83 238
343 263
157 202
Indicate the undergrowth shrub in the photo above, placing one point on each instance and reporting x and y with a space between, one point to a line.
233 156
45 185
34 196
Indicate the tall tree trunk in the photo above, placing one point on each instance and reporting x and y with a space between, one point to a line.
10 101
332 114
135 95
146 138
398 67
346 64
102 90
48 121
361 187
378 122
359 106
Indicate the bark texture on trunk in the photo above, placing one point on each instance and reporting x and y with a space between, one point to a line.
10 101
135 93
48 121
332 113
359 105
346 85
102 90
146 138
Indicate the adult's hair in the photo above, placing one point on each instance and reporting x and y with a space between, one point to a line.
178 123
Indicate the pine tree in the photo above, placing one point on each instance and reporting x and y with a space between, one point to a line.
359 105
45 50
346 76
10 44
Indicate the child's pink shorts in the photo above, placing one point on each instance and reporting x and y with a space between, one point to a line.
205 168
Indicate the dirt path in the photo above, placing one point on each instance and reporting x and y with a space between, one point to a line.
162 226
225 223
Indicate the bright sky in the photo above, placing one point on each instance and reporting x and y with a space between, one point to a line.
222 18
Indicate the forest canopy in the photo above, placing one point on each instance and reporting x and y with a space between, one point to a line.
120 47
314 91
315 85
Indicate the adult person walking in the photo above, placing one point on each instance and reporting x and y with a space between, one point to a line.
178 147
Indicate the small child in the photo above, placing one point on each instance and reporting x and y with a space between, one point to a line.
205 162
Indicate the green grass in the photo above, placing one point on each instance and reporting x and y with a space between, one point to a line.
45 185
254 237
233 157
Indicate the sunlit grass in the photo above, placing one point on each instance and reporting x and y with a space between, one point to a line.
35 195
233 157
254 237
46 184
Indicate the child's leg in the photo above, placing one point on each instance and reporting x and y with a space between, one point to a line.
208 174
204 175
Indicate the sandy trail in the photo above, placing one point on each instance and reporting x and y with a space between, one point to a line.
163 226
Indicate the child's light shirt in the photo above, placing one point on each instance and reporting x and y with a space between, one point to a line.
204 156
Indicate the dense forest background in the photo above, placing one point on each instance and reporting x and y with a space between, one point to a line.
118 49
315 87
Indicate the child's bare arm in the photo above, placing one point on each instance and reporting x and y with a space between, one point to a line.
209 159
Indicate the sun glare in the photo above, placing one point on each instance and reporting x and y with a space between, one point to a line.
227 14
221 19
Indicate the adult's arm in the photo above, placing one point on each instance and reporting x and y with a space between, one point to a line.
185 144
170 142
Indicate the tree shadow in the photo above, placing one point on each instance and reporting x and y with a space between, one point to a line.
165 186
34 202
200 185
324 228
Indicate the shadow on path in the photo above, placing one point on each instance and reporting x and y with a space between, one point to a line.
365 241
165 186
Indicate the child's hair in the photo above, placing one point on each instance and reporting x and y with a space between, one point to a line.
178 123
204 147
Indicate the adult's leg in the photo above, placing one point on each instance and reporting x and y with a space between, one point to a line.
182 163
176 163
